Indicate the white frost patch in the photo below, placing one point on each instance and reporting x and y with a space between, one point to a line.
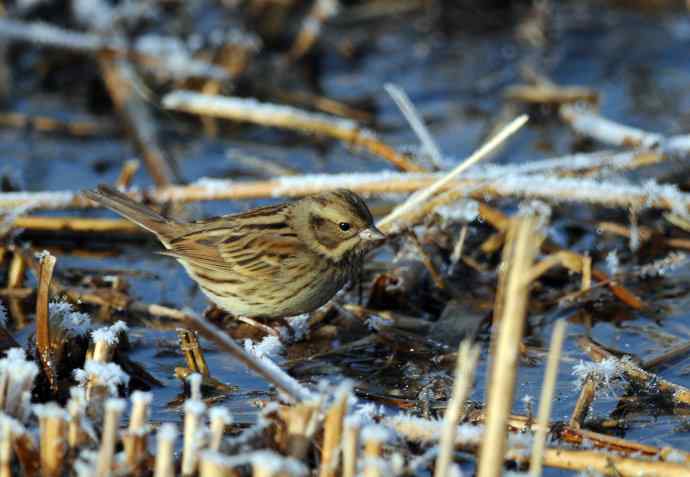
195 407
50 410
108 374
461 211
273 463
220 413
300 326
17 376
167 432
109 334
612 262
607 373
662 267
75 321
269 347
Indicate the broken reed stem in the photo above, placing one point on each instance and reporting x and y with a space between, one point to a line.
406 107
679 394
373 437
220 417
352 427
422 196
76 225
286 117
5 447
546 399
468 356
51 422
129 169
332 435
165 451
45 275
214 464
190 347
193 413
477 185
75 433
519 252
113 410
135 443
456 255
121 80
301 422
584 401
262 366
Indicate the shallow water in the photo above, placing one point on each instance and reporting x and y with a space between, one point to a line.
636 60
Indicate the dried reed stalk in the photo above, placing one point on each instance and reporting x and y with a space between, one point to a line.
679 394
332 435
135 442
193 413
129 169
352 427
113 410
262 366
75 432
91 43
51 421
165 451
214 464
425 194
518 255
584 401
47 265
468 356
120 79
301 424
5 447
546 399
604 463
220 417
190 347
415 121
250 110
76 224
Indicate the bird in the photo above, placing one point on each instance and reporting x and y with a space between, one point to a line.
270 262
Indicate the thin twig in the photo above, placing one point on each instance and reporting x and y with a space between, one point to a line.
546 399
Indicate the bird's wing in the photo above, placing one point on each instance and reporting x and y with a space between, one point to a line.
265 256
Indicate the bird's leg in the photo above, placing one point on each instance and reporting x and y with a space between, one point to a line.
257 324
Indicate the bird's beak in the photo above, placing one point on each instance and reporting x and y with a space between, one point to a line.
371 234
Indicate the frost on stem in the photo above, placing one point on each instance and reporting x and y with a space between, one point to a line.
75 322
663 266
109 335
607 373
17 377
612 262
108 374
269 347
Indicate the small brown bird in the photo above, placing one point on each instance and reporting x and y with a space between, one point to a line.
270 262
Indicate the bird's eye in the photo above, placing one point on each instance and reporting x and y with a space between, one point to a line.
344 226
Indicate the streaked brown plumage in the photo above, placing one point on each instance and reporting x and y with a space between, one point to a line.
270 262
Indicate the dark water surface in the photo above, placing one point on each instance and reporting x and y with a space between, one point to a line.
638 61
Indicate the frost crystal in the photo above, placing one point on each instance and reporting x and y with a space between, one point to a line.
109 334
663 266
270 347
107 374
612 262
607 373
74 321
461 211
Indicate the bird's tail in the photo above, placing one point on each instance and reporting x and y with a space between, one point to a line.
141 215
